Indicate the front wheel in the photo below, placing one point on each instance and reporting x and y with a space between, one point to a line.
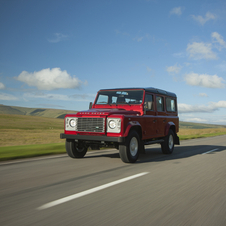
168 144
129 152
75 149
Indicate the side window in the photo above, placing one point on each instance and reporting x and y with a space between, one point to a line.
159 103
148 102
170 105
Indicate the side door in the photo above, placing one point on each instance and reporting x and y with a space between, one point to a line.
149 130
161 121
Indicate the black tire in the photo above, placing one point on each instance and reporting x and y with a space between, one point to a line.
168 144
74 149
129 152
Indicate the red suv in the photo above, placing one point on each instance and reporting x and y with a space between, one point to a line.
126 119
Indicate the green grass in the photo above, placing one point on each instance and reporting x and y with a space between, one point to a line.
191 125
27 151
24 136
195 136
27 122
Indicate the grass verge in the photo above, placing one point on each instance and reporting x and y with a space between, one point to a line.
195 136
27 151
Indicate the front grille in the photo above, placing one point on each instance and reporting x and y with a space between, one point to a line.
91 125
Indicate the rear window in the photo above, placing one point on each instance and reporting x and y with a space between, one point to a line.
170 104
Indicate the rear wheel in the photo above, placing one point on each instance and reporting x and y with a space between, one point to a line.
168 144
129 152
75 149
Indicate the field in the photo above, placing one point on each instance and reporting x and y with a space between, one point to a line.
23 136
26 136
186 134
24 130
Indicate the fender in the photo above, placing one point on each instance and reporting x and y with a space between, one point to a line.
129 126
169 124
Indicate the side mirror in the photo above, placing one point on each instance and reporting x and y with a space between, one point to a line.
90 105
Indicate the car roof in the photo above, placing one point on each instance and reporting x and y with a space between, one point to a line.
148 89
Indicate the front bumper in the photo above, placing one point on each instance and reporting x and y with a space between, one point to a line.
93 138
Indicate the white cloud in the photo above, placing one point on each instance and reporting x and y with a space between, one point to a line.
211 107
204 80
217 38
58 37
174 69
186 108
203 20
138 39
176 11
2 86
201 120
47 96
5 96
180 55
219 104
200 50
83 96
49 79
203 95
187 64
62 97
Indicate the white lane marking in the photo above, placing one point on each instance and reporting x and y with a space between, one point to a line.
87 192
209 151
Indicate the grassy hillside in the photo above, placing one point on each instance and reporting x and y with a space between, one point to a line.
191 125
23 136
26 122
26 130
59 113
44 112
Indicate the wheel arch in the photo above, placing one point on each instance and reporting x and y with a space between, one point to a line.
133 126
170 125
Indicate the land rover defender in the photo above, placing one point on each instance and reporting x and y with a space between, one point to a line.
126 119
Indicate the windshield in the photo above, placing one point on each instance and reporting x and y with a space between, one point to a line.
120 97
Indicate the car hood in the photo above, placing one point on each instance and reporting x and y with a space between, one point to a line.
107 112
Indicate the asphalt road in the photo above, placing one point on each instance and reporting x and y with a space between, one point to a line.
185 188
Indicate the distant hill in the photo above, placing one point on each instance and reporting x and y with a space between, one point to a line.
44 112
58 113
191 125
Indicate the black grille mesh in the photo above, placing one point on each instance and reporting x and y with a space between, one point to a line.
91 125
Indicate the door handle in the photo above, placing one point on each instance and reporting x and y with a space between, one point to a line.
154 121
164 121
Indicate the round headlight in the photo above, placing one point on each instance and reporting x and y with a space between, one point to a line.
112 124
72 123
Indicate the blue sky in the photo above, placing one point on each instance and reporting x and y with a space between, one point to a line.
58 54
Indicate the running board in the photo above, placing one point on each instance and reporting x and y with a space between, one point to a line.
154 142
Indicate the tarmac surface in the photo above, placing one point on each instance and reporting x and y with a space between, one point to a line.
185 188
